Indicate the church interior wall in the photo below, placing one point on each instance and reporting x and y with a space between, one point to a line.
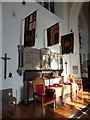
0 45
89 33
70 17
12 14
84 26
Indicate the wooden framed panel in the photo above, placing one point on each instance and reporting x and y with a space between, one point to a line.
31 59
36 60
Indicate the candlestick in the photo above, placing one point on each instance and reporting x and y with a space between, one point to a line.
66 66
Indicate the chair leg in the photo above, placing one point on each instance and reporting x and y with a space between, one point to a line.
43 109
55 104
34 105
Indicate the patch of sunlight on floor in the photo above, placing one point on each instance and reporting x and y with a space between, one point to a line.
65 110
76 105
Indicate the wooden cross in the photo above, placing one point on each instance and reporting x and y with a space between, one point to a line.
5 64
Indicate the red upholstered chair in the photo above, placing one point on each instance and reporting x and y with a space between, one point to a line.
80 85
67 91
71 80
41 94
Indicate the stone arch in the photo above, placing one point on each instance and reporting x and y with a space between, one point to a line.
73 24
75 10
74 14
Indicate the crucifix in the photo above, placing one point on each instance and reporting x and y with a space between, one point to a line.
5 58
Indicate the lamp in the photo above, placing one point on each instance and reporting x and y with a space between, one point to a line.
10 75
71 30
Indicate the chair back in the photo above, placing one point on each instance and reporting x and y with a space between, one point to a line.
71 79
39 86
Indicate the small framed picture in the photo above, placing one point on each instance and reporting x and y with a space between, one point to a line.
75 69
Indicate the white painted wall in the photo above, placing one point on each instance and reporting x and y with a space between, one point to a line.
11 37
0 45
0 58
69 21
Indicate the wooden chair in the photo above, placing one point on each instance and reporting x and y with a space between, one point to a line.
75 85
41 94
79 83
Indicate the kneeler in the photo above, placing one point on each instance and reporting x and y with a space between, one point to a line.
42 94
